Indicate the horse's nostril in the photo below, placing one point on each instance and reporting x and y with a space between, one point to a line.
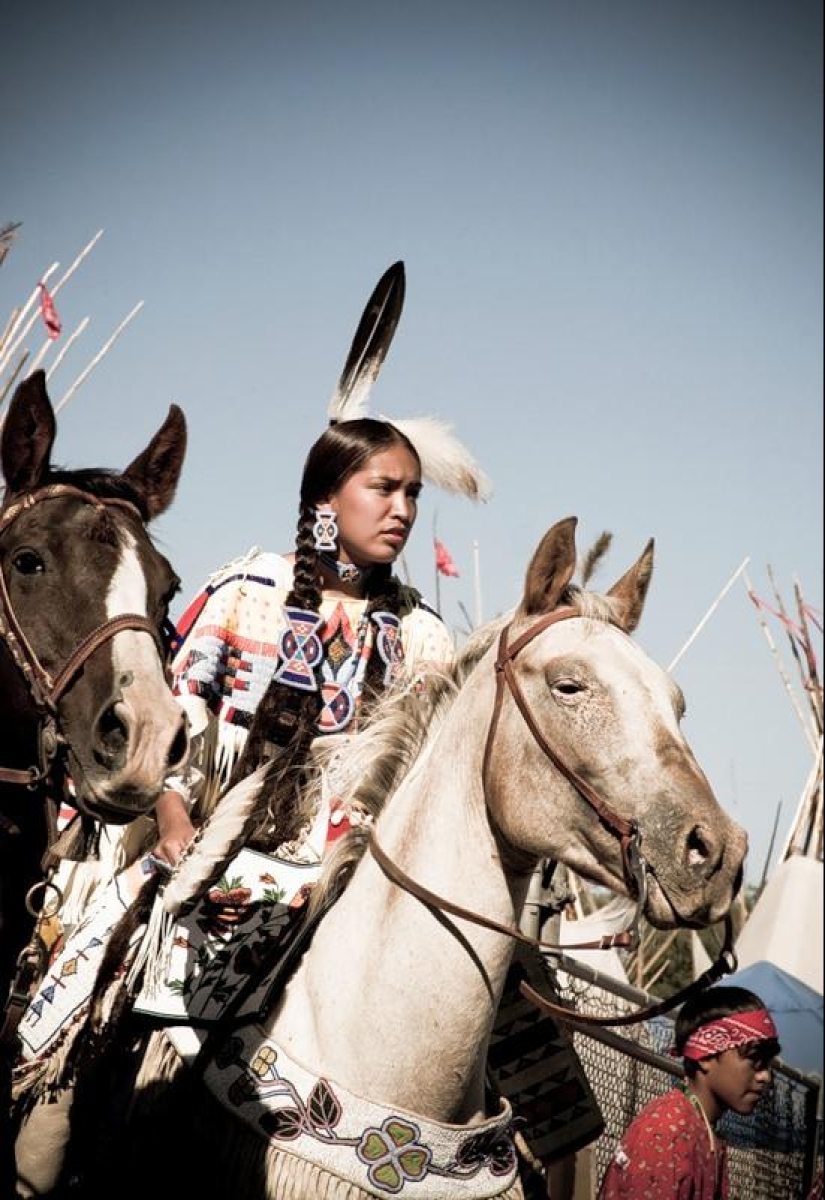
698 851
111 738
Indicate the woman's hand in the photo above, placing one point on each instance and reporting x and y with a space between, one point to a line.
175 830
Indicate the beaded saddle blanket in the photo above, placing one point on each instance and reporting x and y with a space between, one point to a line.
382 1150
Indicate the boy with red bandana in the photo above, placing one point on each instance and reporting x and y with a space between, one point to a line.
727 1039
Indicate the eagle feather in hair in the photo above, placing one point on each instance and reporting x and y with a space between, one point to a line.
372 340
444 460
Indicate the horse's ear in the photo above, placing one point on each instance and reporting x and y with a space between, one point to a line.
28 434
628 594
156 471
551 568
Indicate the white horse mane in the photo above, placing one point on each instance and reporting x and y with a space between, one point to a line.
378 757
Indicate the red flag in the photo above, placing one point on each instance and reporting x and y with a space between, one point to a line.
49 313
443 562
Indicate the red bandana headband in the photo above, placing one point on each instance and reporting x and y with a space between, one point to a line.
735 1030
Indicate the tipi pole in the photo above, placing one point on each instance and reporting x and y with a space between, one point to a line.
36 296
710 611
769 855
68 342
796 635
21 326
808 816
811 683
806 728
87 371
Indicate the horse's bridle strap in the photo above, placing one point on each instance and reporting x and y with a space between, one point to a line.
725 963
96 639
45 690
24 777
399 877
54 491
609 816
625 830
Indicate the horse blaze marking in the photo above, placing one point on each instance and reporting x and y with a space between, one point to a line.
127 594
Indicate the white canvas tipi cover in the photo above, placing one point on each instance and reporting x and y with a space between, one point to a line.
785 924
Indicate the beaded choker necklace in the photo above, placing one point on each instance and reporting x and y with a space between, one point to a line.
346 571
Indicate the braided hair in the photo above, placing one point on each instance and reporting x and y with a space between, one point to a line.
287 717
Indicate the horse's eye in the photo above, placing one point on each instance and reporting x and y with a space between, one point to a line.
567 687
28 562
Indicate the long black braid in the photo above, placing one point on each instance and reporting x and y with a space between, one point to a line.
287 717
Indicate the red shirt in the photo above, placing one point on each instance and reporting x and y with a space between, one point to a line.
666 1154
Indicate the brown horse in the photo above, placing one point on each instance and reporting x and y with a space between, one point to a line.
366 1077
85 709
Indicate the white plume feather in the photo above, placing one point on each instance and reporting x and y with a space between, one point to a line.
444 460
216 843
207 855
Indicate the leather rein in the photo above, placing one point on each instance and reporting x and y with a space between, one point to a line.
45 689
635 866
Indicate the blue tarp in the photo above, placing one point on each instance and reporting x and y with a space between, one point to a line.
795 1008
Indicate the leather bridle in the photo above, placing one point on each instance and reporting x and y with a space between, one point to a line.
626 831
45 689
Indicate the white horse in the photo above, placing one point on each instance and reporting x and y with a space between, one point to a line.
366 1079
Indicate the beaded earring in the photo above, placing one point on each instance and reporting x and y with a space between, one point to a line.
325 529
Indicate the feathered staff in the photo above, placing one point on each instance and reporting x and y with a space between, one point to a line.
445 462
215 844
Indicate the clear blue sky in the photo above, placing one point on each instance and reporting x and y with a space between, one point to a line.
611 218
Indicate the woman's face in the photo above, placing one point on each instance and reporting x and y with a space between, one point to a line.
376 507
